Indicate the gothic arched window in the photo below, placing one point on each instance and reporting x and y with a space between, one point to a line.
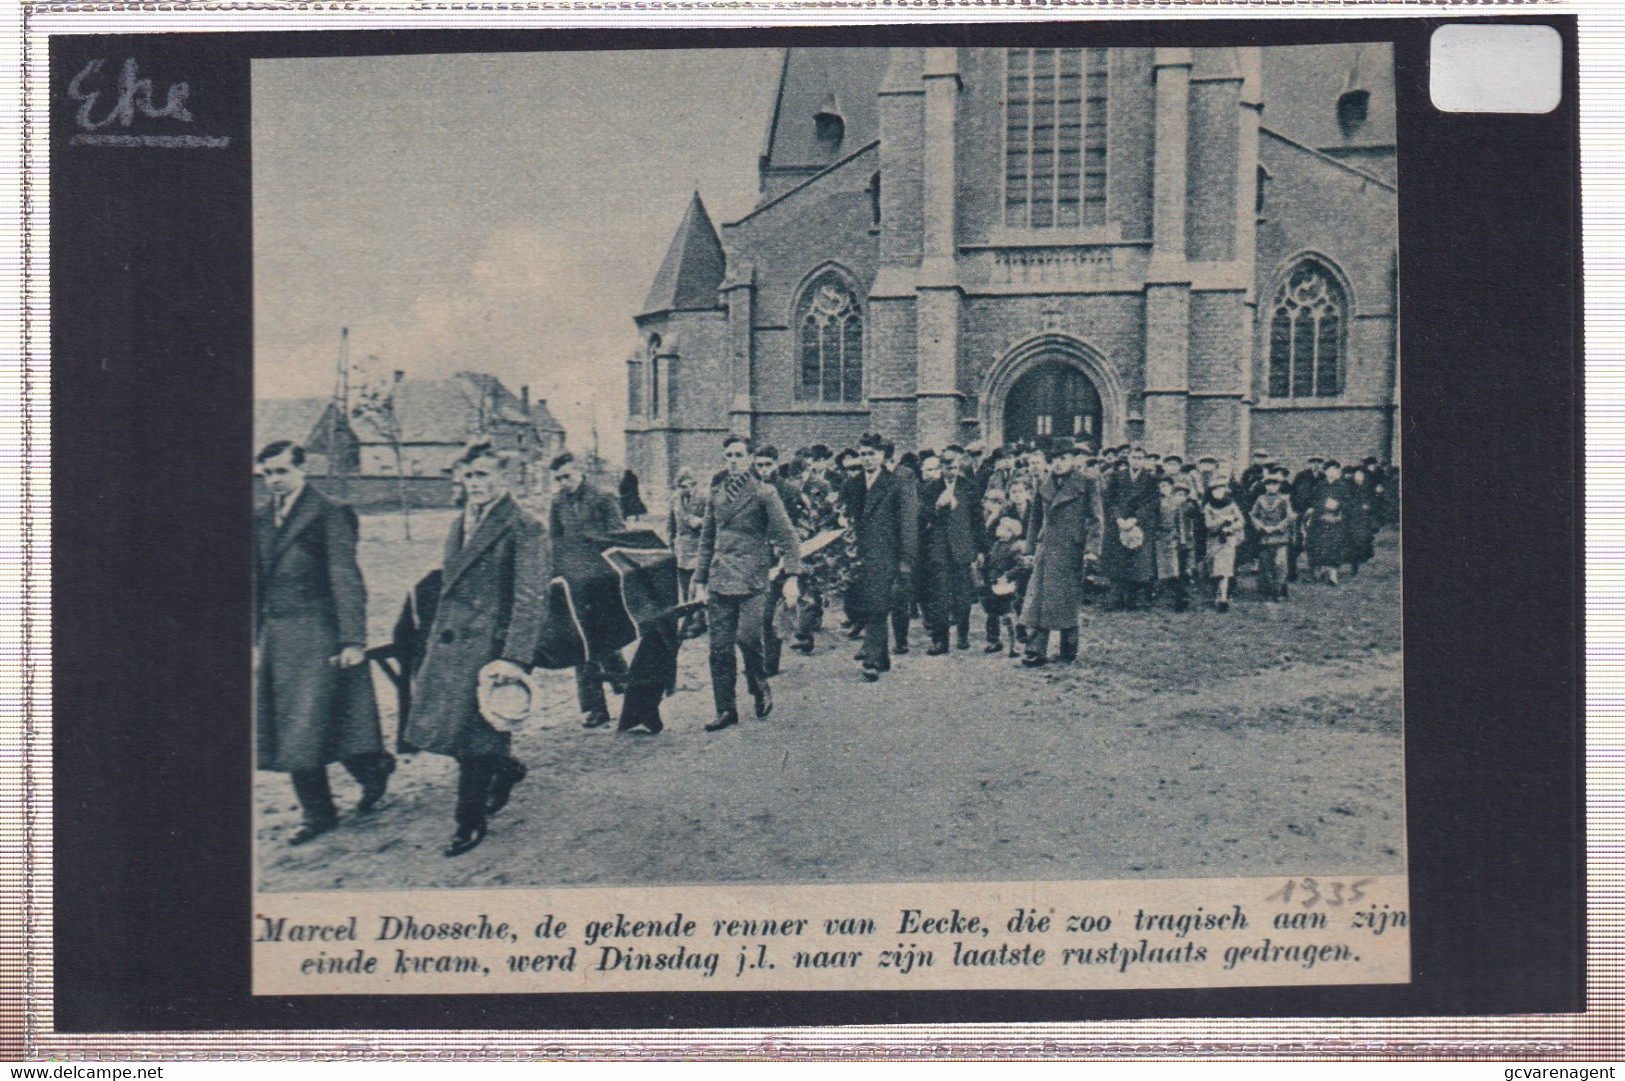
1308 332
829 323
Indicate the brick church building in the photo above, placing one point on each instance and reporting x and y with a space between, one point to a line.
1191 248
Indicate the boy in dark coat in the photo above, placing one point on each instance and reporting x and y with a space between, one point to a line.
313 696
1004 578
493 606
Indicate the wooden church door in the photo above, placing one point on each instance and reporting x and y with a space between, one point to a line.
1054 402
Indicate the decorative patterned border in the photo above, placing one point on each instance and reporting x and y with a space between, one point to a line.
25 696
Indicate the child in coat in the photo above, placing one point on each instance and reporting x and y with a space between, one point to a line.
1273 518
1175 537
1225 527
1004 576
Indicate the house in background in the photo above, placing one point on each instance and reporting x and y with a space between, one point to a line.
316 424
436 419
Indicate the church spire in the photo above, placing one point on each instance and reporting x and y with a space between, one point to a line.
693 267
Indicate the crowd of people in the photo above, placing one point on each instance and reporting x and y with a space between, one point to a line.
1029 534
768 551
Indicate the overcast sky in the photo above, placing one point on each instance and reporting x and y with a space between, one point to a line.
501 213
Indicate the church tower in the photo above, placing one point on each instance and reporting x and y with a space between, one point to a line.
677 397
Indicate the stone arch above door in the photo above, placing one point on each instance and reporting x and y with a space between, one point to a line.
1042 349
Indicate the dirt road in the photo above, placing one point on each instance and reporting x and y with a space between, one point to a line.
1179 745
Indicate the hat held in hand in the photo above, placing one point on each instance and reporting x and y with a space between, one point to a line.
509 699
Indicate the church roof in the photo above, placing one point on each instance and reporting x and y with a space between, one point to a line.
846 81
693 268
1302 85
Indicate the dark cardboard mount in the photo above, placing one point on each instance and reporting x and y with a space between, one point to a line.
151 380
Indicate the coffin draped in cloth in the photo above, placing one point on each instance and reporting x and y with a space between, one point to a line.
619 589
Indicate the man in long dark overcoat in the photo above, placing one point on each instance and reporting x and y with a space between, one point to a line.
313 698
1127 553
745 526
493 606
581 511
887 527
950 521
1302 491
1069 540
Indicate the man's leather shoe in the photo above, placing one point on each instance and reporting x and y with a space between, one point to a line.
763 695
466 839
964 640
871 673
726 719
993 647
860 654
937 649
1034 660
309 831
513 771
596 719
372 793
803 648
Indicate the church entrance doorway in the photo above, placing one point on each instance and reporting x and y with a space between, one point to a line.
1053 402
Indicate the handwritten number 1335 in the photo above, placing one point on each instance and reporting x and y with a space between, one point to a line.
1333 894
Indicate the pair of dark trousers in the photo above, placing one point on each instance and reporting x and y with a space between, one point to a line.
734 621
947 600
875 627
900 615
1130 592
315 795
590 678
476 773
809 617
1272 569
1038 644
772 644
